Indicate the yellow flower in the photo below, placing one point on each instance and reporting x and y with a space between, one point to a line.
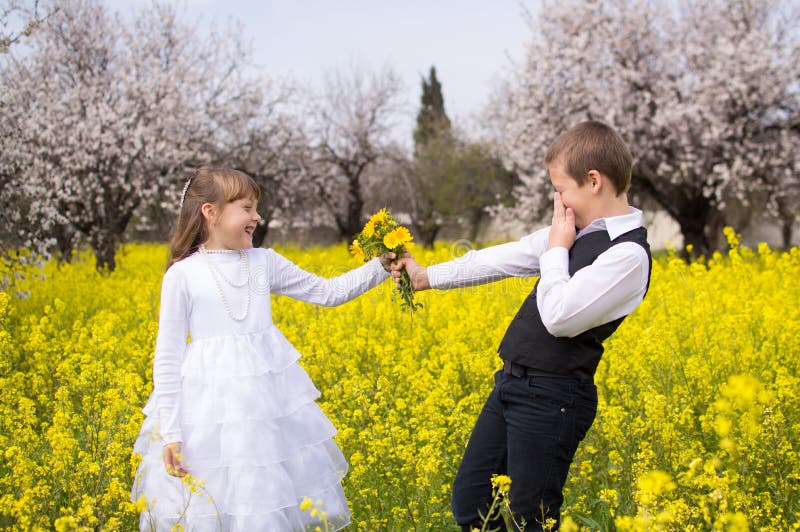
141 503
502 483
357 251
380 217
609 496
66 524
715 407
397 238
569 525
306 505
369 229
652 485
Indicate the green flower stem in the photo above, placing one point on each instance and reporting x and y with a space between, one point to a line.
407 293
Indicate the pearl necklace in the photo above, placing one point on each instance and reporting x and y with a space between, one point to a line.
218 251
242 256
216 272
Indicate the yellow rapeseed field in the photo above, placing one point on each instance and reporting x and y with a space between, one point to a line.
697 428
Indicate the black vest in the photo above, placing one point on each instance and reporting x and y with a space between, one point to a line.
527 341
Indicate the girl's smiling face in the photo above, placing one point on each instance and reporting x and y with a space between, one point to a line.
232 228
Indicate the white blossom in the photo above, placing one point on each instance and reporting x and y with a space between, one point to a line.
705 93
109 114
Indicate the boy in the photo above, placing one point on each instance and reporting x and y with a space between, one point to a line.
594 262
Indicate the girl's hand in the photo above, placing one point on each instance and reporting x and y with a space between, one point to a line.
386 260
173 460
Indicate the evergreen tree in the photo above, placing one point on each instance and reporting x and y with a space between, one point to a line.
431 119
451 180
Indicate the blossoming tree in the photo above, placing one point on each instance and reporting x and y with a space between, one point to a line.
18 20
109 114
704 92
350 135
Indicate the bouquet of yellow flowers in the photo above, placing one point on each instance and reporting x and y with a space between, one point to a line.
382 234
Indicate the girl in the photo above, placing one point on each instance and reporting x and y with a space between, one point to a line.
232 437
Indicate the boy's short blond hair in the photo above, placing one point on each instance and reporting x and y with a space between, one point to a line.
592 145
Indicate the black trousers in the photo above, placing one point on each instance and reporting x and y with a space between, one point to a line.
529 429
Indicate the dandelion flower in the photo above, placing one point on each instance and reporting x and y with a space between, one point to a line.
397 238
379 217
357 251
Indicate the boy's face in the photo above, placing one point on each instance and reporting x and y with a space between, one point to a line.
578 198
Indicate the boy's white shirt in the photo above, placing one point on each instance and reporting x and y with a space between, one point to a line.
611 287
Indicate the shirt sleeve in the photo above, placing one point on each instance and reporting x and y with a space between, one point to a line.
288 279
512 259
609 288
173 326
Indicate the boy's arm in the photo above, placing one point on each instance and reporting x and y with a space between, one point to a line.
611 287
512 259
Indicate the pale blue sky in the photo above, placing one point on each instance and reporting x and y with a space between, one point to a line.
469 41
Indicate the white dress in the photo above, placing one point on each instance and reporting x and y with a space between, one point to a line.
239 401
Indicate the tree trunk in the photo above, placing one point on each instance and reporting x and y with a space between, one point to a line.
702 230
104 246
475 220
714 224
65 242
786 218
694 240
355 208
700 222
787 231
427 233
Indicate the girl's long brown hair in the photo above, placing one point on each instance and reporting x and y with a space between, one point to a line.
209 185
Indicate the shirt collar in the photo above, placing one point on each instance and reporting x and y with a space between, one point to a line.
615 225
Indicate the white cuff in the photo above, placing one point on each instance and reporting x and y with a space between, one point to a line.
169 424
438 274
171 437
376 265
557 259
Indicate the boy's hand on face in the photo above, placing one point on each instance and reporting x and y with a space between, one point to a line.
562 232
418 274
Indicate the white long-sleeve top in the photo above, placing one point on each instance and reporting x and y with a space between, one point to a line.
611 287
191 305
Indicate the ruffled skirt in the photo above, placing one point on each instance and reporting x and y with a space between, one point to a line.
255 444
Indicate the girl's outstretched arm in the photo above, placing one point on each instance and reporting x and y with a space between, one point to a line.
288 279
